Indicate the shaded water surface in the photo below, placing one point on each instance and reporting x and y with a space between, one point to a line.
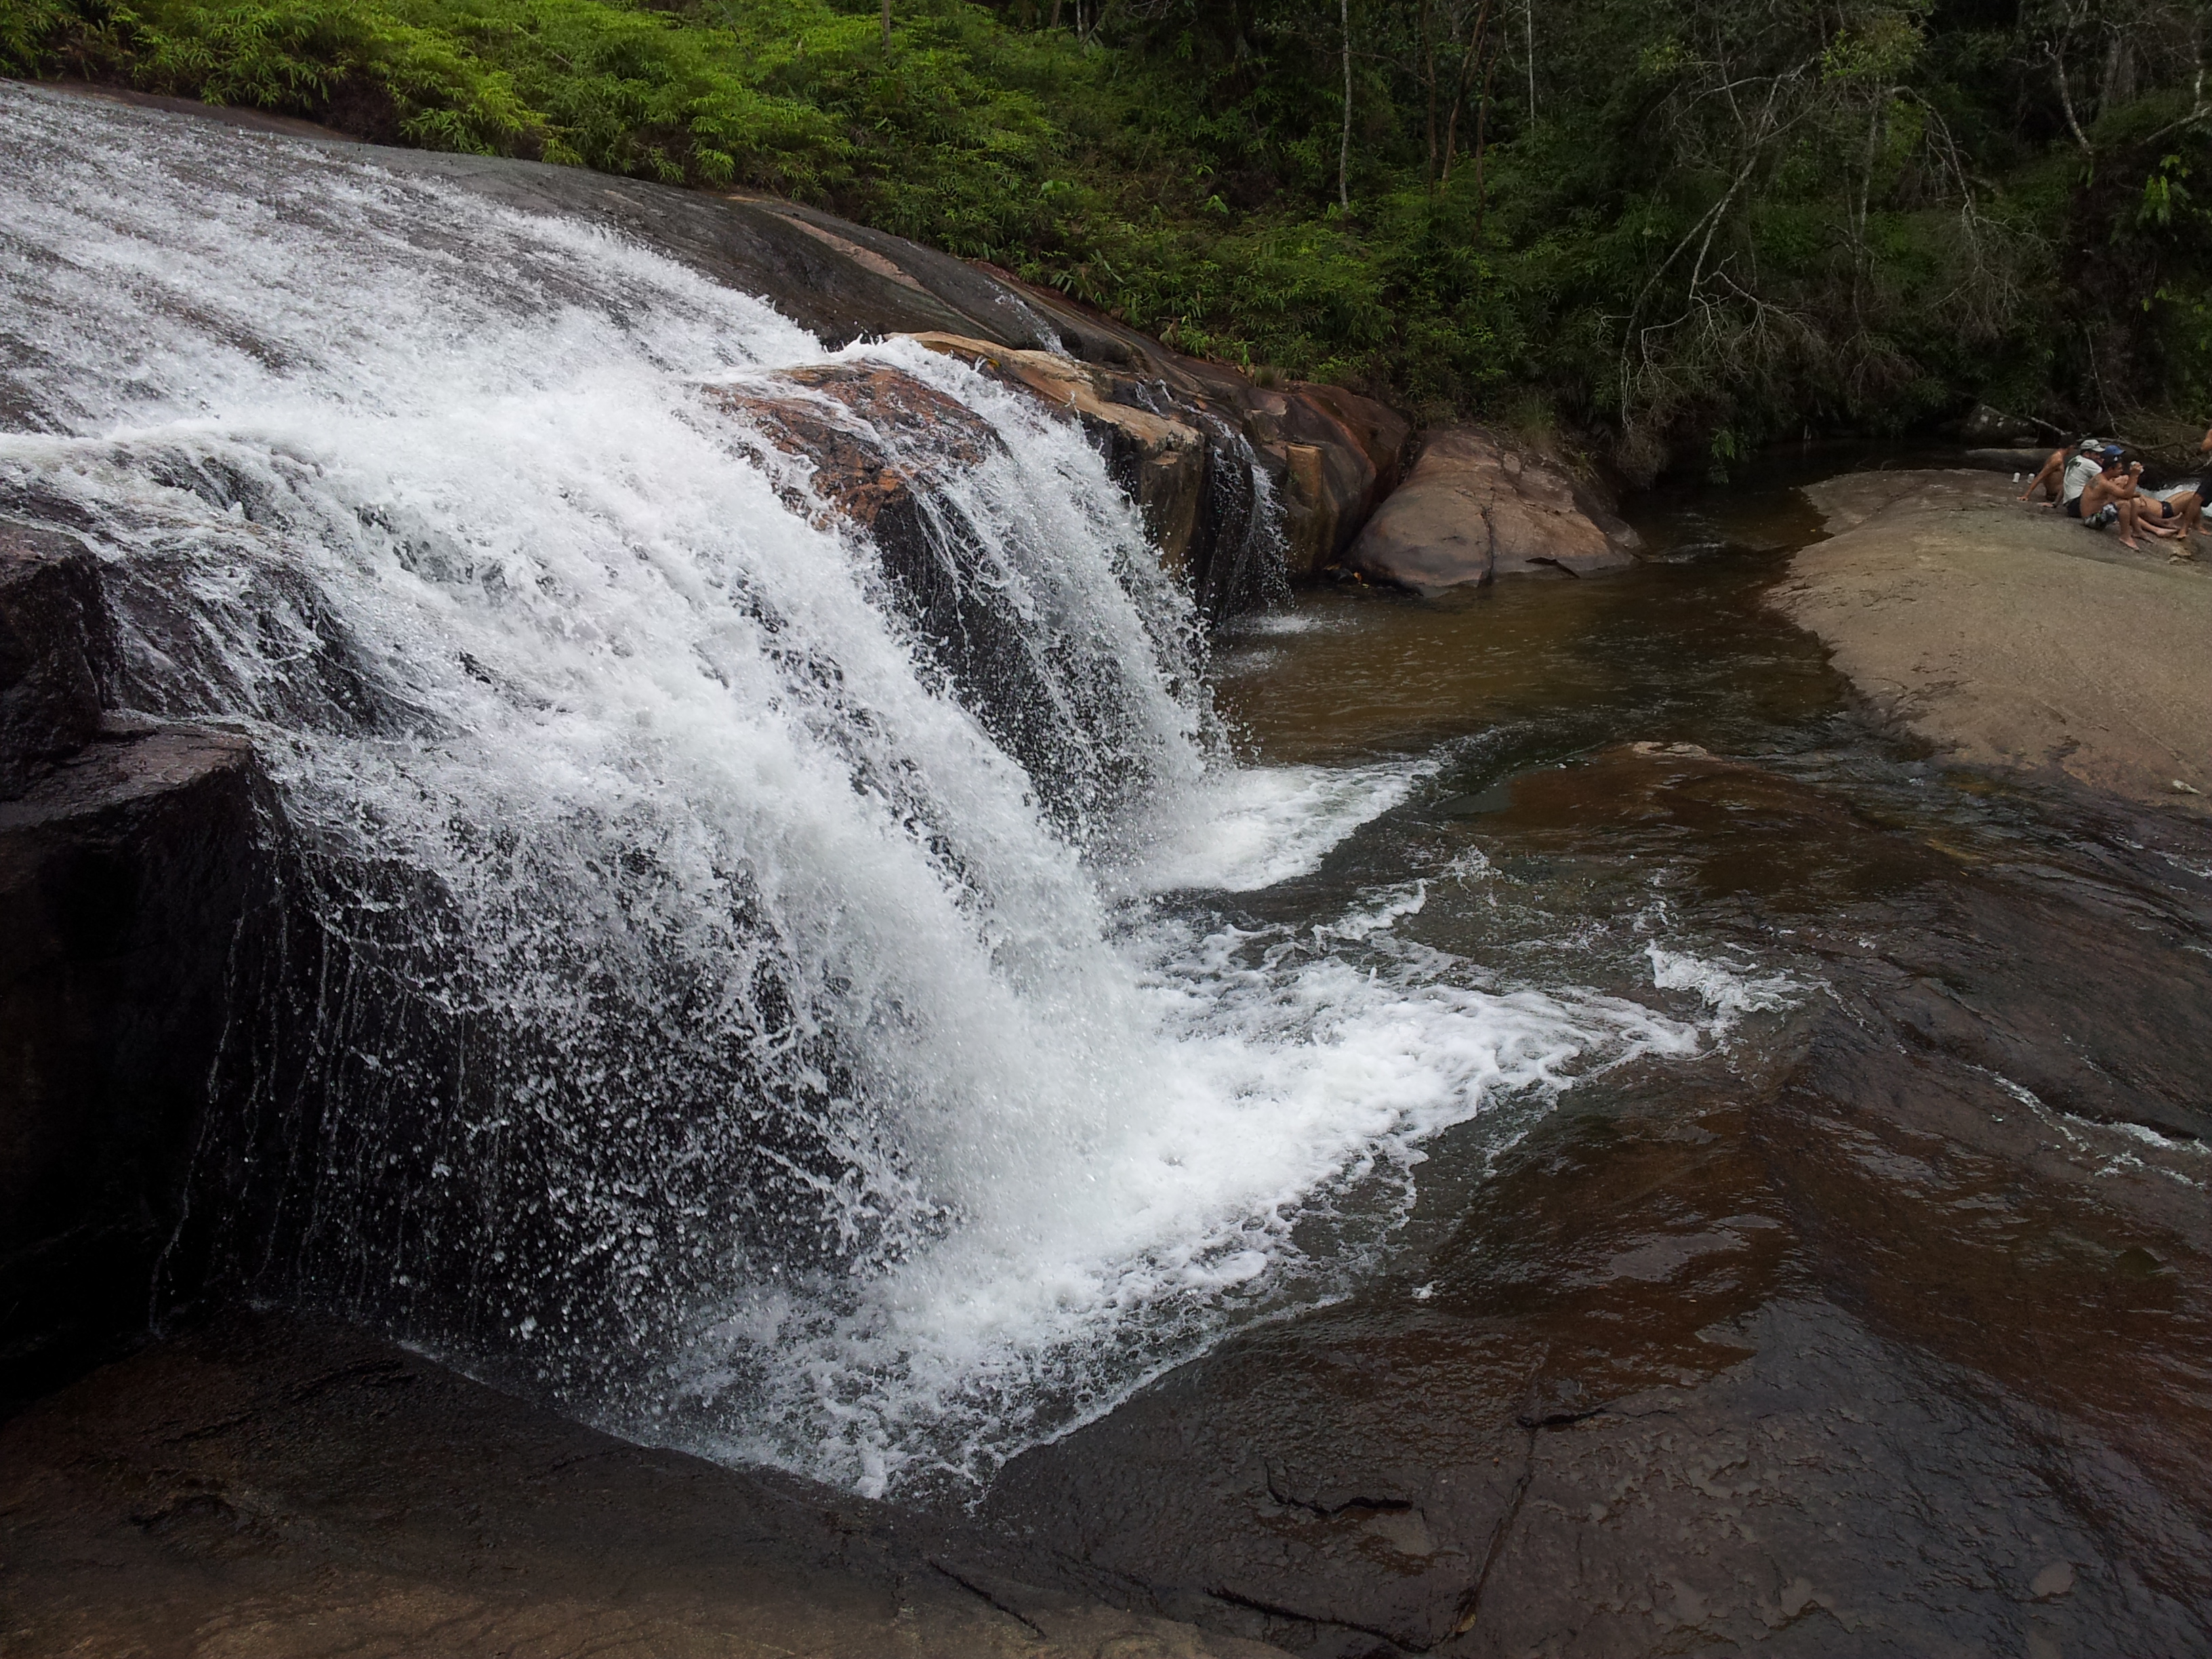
1880 1328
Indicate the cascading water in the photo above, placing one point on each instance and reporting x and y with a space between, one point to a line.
687 1005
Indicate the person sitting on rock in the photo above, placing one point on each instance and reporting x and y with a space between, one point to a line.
2170 513
2099 503
2067 471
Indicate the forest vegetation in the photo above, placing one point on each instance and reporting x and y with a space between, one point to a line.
1671 229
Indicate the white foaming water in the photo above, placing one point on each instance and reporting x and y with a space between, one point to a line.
1725 988
724 1027
1251 827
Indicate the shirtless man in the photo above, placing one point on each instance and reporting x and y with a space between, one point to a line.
2100 502
2069 470
2116 495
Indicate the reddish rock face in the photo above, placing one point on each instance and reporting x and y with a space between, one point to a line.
870 432
1161 461
1473 508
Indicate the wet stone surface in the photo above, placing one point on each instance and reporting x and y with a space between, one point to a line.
1848 1346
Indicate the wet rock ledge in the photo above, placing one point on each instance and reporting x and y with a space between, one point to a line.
284 1486
1181 434
275 1484
130 856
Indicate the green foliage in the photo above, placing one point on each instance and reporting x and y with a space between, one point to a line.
1692 224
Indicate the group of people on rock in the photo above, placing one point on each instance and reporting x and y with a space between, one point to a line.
2095 482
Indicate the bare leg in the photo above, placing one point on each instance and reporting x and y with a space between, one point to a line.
2189 503
2049 480
2180 516
2127 506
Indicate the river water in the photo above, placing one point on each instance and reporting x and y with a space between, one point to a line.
1915 1245
696 1014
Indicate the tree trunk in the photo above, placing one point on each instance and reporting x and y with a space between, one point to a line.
1344 144
1429 81
1481 121
887 27
1459 86
1528 15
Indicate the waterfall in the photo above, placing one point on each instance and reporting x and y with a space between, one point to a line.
689 1003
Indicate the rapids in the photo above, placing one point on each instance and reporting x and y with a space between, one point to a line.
686 1008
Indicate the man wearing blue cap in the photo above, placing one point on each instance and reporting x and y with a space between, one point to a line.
2100 502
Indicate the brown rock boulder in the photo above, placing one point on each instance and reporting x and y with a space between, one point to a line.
1334 455
869 431
1473 508
1160 461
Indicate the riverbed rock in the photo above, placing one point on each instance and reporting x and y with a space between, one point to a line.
1864 1338
1473 508
53 651
2010 636
126 872
284 1485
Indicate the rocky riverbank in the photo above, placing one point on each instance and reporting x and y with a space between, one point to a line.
2009 636
286 1486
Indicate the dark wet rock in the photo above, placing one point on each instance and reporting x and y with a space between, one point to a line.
128 856
53 651
1473 508
126 873
281 1486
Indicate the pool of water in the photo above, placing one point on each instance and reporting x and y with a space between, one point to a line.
1939 1168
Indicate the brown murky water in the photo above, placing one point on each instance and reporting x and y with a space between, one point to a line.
1883 1328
